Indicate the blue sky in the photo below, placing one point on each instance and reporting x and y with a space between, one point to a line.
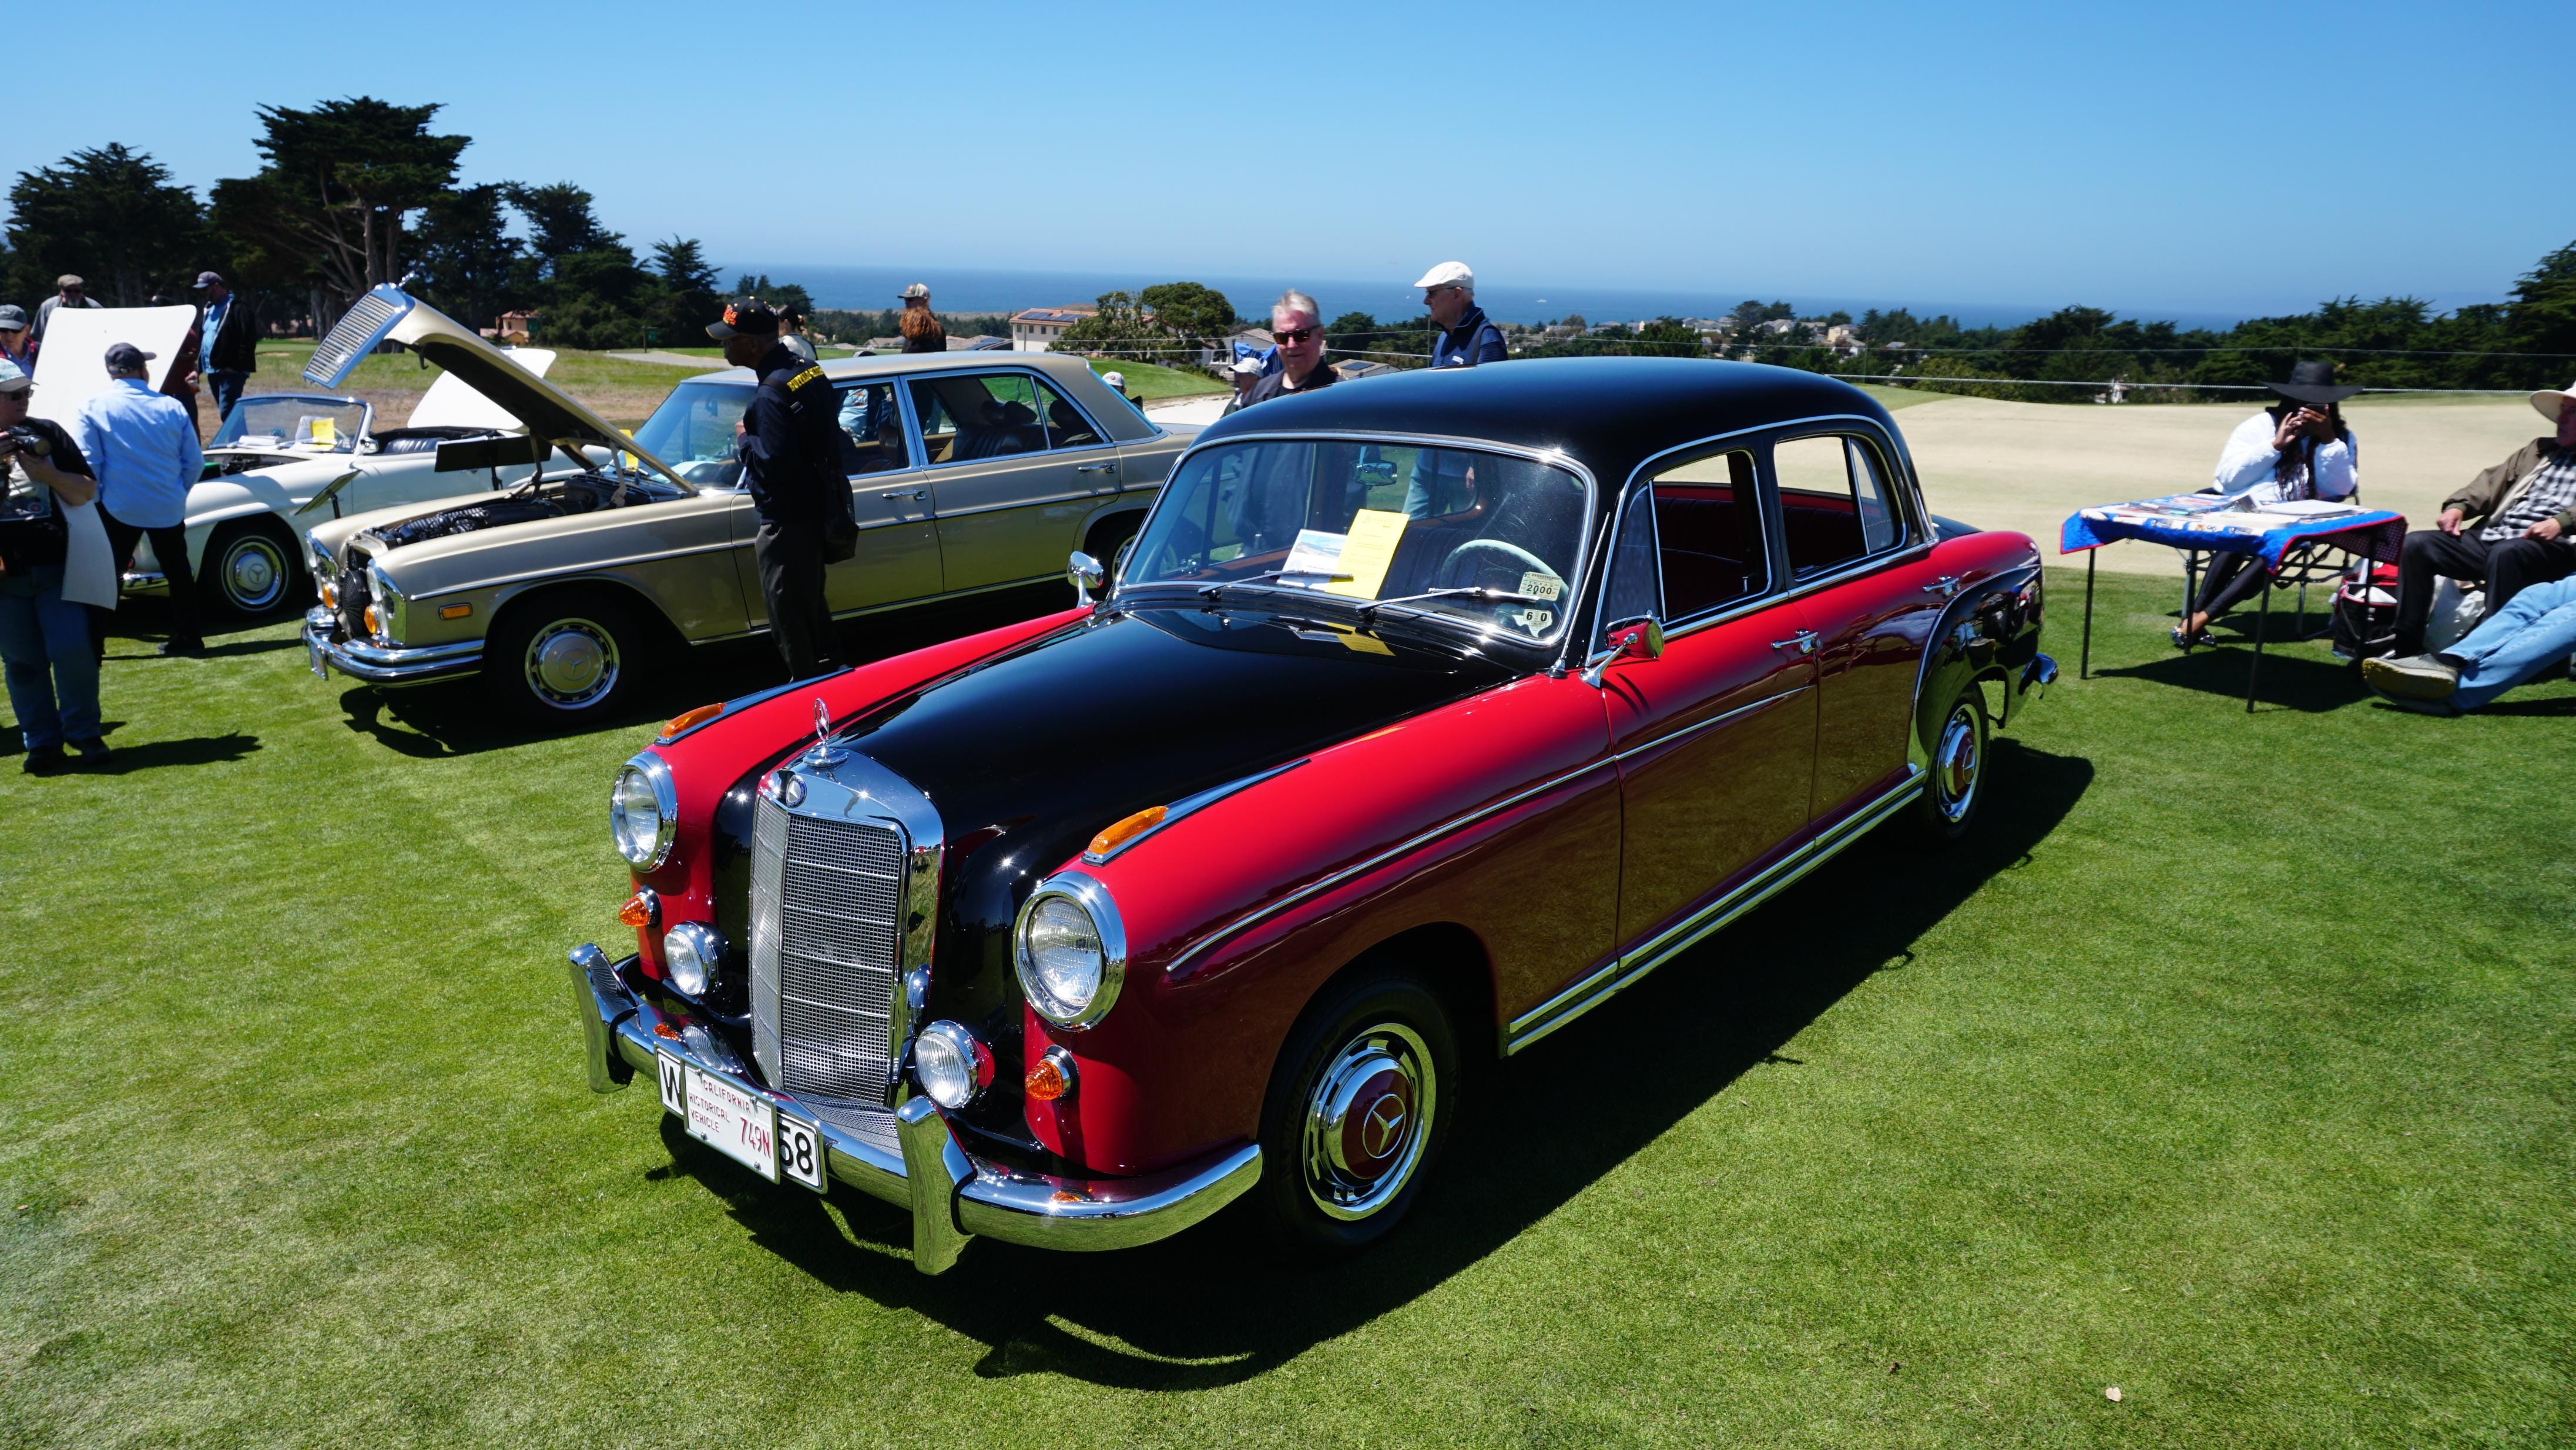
2148 158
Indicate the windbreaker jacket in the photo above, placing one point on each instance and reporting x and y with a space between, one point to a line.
2494 491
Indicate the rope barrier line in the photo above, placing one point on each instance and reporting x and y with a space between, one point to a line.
1179 340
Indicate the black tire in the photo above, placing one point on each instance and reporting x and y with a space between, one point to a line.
566 657
1109 536
252 567
1375 1055
1954 790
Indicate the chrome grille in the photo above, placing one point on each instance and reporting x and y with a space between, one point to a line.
352 337
825 901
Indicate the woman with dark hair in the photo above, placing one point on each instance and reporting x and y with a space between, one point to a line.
2299 448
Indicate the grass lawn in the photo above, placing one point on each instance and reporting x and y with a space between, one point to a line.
622 390
2228 1065
1152 380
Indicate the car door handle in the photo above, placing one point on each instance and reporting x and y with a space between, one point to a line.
898 494
1945 586
1096 468
1804 639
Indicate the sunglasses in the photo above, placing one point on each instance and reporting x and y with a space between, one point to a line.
1299 334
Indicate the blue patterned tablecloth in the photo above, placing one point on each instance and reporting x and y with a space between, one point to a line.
2208 521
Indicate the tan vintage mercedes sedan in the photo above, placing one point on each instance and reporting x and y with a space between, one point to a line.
969 471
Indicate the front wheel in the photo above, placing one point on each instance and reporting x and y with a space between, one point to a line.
1359 1106
1957 783
252 566
565 659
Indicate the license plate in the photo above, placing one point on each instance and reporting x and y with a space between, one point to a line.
313 657
742 1125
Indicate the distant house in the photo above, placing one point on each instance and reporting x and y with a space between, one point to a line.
1036 329
515 327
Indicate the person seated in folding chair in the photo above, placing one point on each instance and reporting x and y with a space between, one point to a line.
2299 448
2530 636
2525 534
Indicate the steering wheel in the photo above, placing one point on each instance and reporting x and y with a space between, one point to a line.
1474 552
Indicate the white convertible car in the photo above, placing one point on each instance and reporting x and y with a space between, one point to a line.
272 467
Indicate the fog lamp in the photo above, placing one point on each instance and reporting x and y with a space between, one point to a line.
691 953
951 1065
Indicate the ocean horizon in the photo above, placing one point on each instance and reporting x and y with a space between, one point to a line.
986 290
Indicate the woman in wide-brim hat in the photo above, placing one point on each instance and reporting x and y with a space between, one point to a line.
2298 448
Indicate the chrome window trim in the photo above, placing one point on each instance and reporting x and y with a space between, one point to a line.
1909 513
912 450
1627 968
1548 457
1091 894
1414 842
923 452
666 807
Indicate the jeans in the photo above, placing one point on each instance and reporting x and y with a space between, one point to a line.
52 672
227 388
2518 643
2508 566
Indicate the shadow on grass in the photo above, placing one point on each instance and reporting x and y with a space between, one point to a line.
1212 1307
461 717
2289 681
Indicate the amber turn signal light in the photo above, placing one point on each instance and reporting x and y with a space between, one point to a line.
454 611
640 909
687 720
1050 1078
369 619
1124 831
330 593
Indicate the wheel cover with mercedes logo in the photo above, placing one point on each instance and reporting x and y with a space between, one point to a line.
1367 1120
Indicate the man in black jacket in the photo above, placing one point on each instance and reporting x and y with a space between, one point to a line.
791 464
228 349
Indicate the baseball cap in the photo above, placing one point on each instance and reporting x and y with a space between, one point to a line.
13 318
1248 366
68 280
12 379
1117 381
124 355
1449 274
750 316
917 289
205 280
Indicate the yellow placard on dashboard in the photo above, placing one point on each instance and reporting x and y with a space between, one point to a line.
326 434
1367 551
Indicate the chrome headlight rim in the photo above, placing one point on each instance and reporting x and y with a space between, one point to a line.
1092 898
956 1045
703 944
666 808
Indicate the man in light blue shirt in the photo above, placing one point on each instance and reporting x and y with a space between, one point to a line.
143 447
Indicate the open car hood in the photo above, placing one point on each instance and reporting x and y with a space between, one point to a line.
389 314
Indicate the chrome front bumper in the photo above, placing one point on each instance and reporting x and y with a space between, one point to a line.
380 665
143 581
952 1194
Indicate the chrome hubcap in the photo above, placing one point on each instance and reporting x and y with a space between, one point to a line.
254 573
571 663
1955 764
1367 1120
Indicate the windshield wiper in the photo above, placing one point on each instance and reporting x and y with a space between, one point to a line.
1217 590
1369 610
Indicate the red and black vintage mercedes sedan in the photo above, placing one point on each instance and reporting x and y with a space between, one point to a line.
1424 714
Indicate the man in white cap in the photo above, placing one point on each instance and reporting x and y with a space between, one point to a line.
920 327
1245 372
2525 532
1467 336
144 449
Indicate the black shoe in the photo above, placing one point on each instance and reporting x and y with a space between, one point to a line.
45 761
182 647
92 751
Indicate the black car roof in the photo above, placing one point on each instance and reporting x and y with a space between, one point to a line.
1608 413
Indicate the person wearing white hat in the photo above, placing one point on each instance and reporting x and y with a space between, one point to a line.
51 669
2524 532
920 327
1245 372
1467 336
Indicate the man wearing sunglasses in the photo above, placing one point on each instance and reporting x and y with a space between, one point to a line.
1467 337
1296 325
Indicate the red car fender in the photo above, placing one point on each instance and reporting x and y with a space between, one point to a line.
705 762
1496 817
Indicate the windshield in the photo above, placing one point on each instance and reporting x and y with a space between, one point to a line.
1399 519
693 432
305 423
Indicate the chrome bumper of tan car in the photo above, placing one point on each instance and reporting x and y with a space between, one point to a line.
381 665
953 1195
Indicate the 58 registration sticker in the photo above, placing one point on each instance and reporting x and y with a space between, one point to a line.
741 1124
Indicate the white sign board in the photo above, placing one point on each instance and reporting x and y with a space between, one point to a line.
72 366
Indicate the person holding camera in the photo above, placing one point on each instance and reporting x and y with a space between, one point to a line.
52 671
789 441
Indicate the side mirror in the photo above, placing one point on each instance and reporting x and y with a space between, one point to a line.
1086 576
1630 639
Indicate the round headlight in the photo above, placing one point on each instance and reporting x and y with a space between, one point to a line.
692 951
950 1064
643 812
1070 951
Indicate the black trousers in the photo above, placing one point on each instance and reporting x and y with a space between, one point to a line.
791 580
2507 566
2230 581
170 546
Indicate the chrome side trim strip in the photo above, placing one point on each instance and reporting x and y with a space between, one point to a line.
1711 723
1626 969
1361 868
